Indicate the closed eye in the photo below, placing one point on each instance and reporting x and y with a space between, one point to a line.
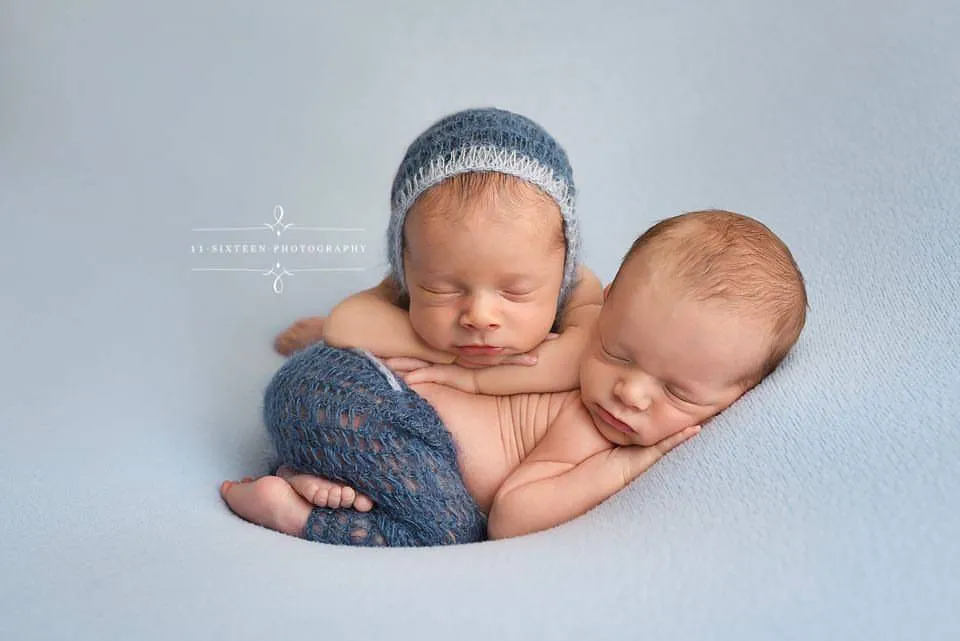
606 353
679 396
440 292
516 293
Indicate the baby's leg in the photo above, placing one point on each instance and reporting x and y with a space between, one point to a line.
301 334
339 415
323 493
271 502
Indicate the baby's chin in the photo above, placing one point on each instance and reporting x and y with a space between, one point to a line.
479 362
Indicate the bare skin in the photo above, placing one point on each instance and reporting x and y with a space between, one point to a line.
324 493
269 501
301 334
514 265
662 359
493 435
659 364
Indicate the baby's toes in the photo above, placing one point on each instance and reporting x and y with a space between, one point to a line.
347 496
334 497
318 496
363 503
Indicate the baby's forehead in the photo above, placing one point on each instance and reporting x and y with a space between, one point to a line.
481 216
694 340
477 230
516 232
503 252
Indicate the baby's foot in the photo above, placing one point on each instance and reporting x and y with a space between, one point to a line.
324 493
269 501
303 333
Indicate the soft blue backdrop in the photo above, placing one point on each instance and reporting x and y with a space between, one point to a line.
826 505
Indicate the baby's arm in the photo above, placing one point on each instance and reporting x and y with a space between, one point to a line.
571 471
371 319
557 365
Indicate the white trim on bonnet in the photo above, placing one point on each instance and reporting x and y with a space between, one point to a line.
484 158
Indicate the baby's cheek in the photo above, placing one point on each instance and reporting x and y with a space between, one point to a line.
542 318
669 420
427 324
594 380
527 330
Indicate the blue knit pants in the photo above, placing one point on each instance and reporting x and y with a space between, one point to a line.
342 415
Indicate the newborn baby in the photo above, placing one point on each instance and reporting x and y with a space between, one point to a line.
703 307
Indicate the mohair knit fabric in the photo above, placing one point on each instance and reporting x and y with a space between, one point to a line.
342 415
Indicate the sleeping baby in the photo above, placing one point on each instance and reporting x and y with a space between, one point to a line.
703 307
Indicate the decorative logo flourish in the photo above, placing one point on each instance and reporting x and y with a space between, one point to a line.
277 271
279 226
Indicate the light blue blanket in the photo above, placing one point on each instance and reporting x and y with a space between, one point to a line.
146 148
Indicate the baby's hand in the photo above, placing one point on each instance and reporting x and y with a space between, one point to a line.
404 364
460 375
301 334
460 378
637 459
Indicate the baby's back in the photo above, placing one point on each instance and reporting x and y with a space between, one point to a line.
493 433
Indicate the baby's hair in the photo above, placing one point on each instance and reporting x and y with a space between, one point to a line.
448 198
736 260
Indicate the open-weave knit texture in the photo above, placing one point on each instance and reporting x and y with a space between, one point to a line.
334 413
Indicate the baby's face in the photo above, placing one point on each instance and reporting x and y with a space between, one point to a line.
484 285
659 361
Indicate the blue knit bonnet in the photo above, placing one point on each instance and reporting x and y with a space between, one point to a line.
485 140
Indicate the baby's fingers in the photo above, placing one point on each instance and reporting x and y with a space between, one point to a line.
639 459
671 442
519 359
404 364
423 375
449 375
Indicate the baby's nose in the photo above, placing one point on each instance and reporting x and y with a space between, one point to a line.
481 313
635 392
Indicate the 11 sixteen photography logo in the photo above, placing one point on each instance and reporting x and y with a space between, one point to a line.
287 253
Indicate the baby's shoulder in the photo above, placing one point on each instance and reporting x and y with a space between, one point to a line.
583 304
390 291
588 286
